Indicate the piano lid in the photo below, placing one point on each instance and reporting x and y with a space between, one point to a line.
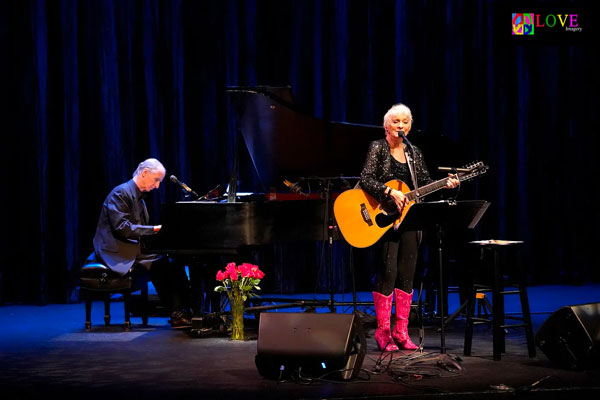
284 142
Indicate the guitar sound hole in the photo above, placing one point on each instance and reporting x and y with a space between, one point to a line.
389 207
383 220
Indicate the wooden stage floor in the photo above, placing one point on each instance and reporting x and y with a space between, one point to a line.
44 351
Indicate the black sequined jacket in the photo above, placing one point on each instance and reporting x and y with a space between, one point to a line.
379 168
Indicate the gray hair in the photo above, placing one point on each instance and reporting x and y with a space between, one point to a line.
151 164
397 109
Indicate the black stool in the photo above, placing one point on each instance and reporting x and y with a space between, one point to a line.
499 282
99 282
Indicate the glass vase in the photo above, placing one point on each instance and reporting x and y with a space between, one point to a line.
237 319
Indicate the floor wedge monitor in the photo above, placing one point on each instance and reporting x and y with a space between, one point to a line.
310 345
570 337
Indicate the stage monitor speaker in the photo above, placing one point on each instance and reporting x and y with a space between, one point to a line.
570 337
310 345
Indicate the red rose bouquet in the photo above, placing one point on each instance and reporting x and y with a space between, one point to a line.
239 282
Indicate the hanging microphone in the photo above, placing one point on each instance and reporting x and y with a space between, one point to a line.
185 187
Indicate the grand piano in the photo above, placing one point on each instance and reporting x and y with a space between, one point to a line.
283 143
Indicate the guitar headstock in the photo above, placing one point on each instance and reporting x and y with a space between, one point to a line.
474 169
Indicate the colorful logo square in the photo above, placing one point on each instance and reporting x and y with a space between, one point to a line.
522 23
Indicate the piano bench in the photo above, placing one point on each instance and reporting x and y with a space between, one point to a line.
99 282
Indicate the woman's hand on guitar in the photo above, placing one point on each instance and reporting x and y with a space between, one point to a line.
399 198
452 181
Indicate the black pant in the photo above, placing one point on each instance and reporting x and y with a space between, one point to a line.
171 283
399 251
203 272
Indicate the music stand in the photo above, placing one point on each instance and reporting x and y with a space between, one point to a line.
438 215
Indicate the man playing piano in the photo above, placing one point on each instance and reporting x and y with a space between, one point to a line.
123 220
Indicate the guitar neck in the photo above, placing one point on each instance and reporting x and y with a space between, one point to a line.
469 173
427 189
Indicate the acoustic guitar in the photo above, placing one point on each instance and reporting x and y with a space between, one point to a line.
363 220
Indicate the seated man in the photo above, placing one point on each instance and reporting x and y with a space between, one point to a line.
123 220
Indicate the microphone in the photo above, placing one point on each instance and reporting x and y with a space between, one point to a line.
185 187
294 187
402 135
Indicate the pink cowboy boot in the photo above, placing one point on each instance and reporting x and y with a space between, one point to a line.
383 312
400 333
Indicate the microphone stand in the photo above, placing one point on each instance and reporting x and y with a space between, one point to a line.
330 227
409 146
326 187
413 174
443 359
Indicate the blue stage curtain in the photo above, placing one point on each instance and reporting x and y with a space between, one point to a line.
91 88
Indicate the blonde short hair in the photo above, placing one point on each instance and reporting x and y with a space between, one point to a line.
396 109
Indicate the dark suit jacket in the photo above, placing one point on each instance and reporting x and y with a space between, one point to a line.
122 221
